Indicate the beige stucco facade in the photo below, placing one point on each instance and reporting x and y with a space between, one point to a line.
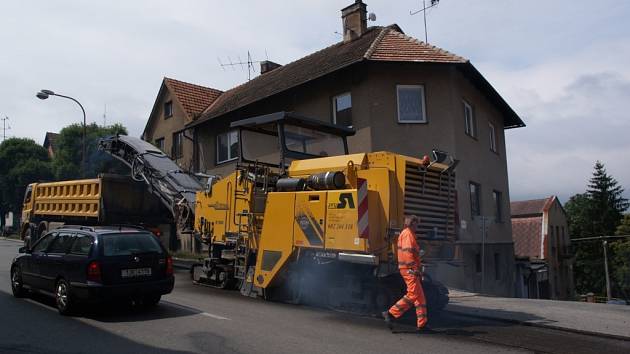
556 251
375 117
162 127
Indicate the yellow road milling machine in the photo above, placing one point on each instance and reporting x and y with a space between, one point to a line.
301 220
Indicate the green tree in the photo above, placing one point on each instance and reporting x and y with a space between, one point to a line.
620 263
594 213
607 201
22 161
68 152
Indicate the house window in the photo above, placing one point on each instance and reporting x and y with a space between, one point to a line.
159 143
493 138
475 202
227 146
411 104
342 109
498 205
177 150
471 123
168 109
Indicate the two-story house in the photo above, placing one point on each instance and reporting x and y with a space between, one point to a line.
177 104
401 95
541 237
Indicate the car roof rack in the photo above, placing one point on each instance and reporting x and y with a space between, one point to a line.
80 227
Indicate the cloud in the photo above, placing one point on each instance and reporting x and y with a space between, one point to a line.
587 121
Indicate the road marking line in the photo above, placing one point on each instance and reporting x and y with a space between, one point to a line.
214 316
192 309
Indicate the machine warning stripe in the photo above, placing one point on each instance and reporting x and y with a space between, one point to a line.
362 196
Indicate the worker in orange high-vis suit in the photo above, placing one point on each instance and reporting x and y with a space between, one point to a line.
409 266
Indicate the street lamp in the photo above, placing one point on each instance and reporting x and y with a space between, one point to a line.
44 94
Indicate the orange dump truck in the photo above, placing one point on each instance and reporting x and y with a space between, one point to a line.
108 199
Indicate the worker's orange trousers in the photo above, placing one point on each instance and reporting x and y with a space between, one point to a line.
414 297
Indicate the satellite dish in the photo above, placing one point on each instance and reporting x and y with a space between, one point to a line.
372 16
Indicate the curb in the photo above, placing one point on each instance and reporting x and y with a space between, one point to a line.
542 325
11 239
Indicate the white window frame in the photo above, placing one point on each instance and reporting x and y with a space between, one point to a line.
424 119
493 137
334 103
470 124
229 135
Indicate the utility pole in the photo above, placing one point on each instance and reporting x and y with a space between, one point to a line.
484 229
605 245
4 127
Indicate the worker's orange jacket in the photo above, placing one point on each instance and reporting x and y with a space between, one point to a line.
408 250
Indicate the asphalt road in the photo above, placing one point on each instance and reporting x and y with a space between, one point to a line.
197 319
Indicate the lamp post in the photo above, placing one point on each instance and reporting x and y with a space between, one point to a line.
44 94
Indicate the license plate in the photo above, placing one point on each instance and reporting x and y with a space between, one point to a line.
137 272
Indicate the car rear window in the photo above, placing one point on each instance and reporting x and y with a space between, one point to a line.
130 243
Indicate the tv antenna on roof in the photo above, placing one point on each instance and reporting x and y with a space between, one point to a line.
250 64
5 127
424 13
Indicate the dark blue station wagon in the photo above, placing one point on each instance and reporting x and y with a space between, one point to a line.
84 264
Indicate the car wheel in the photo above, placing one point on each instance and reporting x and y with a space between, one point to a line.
151 300
63 298
17 286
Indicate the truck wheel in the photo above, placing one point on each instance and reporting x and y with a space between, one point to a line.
28 235
42 229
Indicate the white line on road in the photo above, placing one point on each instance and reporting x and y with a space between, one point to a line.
188 308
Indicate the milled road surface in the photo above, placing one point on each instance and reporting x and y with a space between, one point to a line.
197 319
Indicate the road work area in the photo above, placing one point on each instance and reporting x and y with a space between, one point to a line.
581 317
196 319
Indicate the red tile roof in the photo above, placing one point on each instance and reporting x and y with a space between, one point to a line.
377 44
393 45
525 208
193 98
527 233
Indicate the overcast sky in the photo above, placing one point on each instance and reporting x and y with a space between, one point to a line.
562 65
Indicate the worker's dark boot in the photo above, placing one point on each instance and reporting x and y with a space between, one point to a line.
389 319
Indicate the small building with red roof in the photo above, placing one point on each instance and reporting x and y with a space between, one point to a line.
542 247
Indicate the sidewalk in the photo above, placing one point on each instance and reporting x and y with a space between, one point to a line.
581 317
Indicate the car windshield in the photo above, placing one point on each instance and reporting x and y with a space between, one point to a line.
122 244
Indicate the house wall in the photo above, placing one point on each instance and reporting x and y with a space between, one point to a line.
374 114
557 251
164 128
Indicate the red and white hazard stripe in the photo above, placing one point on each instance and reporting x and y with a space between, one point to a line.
362 196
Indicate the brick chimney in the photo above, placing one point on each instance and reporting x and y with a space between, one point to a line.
266 66
354 20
